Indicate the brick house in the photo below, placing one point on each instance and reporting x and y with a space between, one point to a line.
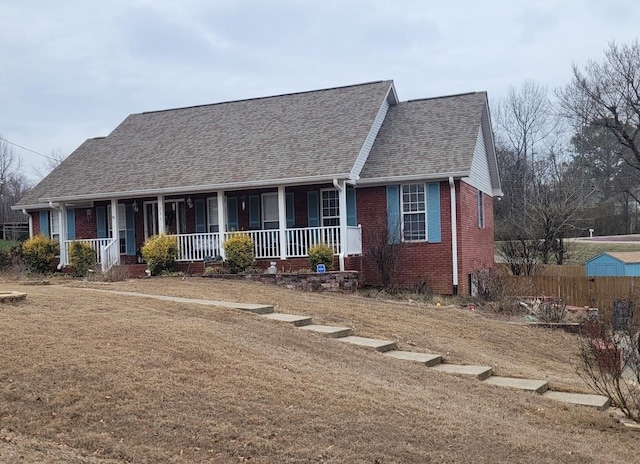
291 170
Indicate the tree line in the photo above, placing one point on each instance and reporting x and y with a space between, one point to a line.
569 159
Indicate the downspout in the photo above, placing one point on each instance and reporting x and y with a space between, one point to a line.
454 235
24 211
342 196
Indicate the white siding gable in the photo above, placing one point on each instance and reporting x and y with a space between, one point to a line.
480 176
371 137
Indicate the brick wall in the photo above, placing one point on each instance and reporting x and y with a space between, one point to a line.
429 265
35 219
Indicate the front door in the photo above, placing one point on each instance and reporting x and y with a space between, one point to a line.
175 218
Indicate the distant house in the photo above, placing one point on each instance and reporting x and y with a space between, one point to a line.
618 264
332 166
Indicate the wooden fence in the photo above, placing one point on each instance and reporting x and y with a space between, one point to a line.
596 292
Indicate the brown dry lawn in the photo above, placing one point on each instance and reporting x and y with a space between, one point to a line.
93 377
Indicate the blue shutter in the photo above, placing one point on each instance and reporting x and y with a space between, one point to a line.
434 234
313 209
130 230
352 216
393 213
71 224
201 220
44 223
290 212
254 211
101 221
232 213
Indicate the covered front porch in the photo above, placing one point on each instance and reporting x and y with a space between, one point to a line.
282 222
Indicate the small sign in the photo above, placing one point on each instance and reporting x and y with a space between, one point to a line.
320 268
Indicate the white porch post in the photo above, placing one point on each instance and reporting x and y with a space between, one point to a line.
115 225
222 220
62 220
342 204
162 228
24 211
282 221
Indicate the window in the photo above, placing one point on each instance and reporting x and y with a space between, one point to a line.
330 209
481 223
150 219
55 226
414 212
122 226
212 215
270 211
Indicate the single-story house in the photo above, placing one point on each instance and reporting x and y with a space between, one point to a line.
337 166
614 264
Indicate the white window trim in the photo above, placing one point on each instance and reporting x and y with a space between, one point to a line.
177 201
322 216
54 232
122 226
212 220
263 212
425 212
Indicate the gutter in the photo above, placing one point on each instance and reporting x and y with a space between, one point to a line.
414 177
454 235
24 211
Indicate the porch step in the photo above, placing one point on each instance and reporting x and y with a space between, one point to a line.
328 330
378 345
595 401
254 308
294 319
538 386
479 372
427 359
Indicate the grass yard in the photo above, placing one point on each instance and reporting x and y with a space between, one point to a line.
581 251
92 377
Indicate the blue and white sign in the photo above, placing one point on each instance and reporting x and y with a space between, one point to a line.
320 268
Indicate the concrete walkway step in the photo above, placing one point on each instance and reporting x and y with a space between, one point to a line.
538 386
427 359
595 401
328 330
480 372
378 345
294 319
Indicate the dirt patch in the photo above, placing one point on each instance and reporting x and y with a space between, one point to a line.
111 377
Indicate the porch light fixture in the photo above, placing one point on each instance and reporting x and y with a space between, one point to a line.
189 202
135 206
89 214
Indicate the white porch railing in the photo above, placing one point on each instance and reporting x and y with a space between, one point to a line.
110 254
266 243
96 245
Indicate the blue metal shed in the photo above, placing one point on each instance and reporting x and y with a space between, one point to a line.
617 264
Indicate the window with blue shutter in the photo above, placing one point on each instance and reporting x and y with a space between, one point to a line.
101 221
254 212
71 224
290 212
393 213
434 234
201 219
44 223
313 209
352 216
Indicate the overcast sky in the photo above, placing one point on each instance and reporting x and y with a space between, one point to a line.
72 70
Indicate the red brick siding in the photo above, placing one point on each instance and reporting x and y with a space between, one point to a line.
475 245
35 220
86 225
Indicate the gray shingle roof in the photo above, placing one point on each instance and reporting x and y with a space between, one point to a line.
308 134
427 137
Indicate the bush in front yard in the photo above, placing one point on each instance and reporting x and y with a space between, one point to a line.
160 253
39 254
239 251
321 254
82 258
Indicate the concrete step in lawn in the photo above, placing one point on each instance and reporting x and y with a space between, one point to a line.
479 372
595 401
538 386
427 359
378 345
328 330
254 308
294 319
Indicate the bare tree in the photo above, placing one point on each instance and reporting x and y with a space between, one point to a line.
13 183
384 249
606 95
52 161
